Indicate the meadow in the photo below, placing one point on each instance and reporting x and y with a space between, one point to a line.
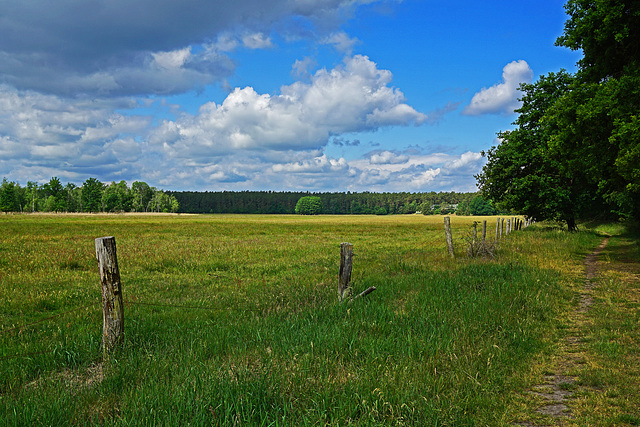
235 320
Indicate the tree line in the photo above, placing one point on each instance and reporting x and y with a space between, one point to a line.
336 203
575 151
91 196
95 196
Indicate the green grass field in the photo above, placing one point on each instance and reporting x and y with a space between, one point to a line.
235 320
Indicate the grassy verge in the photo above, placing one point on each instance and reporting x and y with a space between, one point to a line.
610 375
235 320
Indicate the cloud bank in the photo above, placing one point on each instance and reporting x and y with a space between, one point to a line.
136 47
80 80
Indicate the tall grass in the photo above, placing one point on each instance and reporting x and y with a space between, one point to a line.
235 320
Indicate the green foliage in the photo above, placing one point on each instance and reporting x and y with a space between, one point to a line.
8 197
481 207
524 173
309 205
463 208
92 190
477 206
92 196
270 202
142 195
575 152
608 34
55 196
380 211
117 198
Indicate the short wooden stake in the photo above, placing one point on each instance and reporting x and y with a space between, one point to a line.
501 227
447 232
112 306
497 229
346 264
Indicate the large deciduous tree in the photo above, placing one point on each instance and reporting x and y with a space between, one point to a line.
600 113
522 173
576 149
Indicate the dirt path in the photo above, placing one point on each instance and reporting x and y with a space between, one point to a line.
560 385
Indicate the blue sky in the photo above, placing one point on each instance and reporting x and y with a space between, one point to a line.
283 95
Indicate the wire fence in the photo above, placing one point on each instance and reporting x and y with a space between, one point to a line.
55 316
500 229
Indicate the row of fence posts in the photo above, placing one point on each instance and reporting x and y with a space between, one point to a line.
504 226
112 299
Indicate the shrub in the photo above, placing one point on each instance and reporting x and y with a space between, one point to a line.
309 205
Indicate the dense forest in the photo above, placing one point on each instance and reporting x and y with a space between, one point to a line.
575 151
95 196
91 196
270 202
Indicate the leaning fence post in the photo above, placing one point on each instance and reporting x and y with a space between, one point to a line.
112 306
346 263
447 232
497 229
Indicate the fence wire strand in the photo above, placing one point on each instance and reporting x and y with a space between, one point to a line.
48 318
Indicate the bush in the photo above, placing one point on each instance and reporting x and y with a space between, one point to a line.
309 205
380 211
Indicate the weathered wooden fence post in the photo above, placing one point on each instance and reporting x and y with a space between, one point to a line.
508 229
112 306
484 232
346 264
501 227
475 232
497 229
447 232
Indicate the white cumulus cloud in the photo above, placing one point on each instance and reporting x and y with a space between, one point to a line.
353 97
501 98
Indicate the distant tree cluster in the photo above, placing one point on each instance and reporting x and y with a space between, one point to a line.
270 202
477 206
91 196
575 151
309 205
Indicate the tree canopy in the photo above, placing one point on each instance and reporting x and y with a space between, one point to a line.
309 205
575 151
91 196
